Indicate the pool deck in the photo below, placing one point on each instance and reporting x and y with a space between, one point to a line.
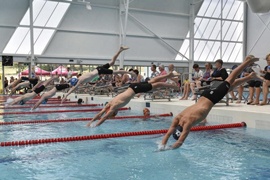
255 116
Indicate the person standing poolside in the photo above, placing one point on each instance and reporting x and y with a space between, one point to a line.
196 113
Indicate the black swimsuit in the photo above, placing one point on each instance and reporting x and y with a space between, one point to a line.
60 87
215 95
141 87
104 69
39 89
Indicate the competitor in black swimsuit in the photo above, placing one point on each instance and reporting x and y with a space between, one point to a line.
196 113
123 99
44 98
26 82
88 77
28 96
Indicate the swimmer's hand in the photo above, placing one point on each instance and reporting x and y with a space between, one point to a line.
64 98
162 147
90 124
176 145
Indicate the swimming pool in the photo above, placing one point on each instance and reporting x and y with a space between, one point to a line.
221 154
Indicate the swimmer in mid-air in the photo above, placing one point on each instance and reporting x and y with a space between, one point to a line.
26 82
87 77
58 87
28 96
196 113
123 99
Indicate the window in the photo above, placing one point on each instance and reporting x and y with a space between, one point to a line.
45 14
218 32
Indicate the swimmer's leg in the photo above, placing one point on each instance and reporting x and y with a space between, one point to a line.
117 54
236 72
163 85
160 78
240 81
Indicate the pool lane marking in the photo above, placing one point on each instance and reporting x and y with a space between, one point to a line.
113 135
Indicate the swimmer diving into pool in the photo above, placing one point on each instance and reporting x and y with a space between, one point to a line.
28 96
196 113
87 77
26 82
123 99
58 87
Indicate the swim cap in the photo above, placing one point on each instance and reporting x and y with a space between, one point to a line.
73 81
80 101
21 102
177 132
44 101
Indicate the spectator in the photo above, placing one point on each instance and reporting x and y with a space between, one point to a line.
254 86
154 71
5 85
125 78
132 78
140 78
62 81
186 89
173 80
207 74
220 73
11 79
198 74
162 71
5 82
266 82
246 71
69 74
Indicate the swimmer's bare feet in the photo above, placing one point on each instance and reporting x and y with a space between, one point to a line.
253 60
253 75
122 48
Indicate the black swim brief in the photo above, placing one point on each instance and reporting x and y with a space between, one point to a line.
215 95
39 89
33 81
141 87
104 69
60 87
24 78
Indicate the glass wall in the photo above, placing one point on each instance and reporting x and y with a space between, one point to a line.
218 30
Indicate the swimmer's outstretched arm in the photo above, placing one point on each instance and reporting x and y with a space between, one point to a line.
98 116
181 139
46 95
167 136
104 118
16 100
39 102
70 91
23 84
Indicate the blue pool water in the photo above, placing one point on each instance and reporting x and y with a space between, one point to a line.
221 154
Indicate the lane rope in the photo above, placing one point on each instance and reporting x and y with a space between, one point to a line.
51 106
113 135
51 102
78 119
59 111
